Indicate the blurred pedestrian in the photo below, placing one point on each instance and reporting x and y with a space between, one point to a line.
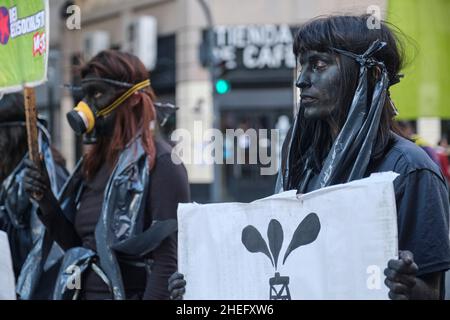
442 155
408 131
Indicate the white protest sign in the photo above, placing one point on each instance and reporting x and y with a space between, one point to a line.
7 283
333 243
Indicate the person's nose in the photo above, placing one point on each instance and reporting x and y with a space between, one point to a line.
304 80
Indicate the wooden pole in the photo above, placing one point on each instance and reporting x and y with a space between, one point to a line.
32 133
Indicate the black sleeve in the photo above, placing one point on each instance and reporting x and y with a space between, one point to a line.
60 229
168 187
423 220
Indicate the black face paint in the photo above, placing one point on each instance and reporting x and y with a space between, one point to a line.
318 81
99 95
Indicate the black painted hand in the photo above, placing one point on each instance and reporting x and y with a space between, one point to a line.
177 286
401 276
36 180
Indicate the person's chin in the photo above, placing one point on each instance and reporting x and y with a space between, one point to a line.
312 112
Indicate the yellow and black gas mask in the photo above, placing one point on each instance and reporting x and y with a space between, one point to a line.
84 118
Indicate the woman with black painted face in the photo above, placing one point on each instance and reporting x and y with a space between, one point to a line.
116 216
345 130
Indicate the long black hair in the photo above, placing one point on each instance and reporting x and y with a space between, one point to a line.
314 138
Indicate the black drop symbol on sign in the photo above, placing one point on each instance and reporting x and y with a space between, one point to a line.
306 233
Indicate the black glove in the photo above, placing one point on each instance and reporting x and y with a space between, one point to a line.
36 180
37 184
61 230
177 286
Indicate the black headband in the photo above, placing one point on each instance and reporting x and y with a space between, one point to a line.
367 59
106 80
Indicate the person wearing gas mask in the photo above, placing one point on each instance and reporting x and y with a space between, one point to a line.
344 131
36 259
116 216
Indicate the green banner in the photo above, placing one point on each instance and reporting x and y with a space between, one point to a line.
23 43
425 90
